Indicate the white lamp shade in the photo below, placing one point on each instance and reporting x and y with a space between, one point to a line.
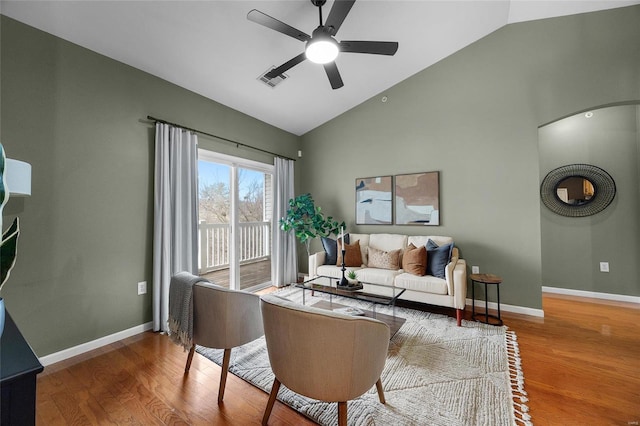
17 176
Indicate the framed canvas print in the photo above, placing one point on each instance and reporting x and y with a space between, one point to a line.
417 199
374 200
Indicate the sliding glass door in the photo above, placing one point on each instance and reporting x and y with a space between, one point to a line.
214 220
235 219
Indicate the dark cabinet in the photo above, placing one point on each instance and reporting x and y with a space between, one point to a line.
18 369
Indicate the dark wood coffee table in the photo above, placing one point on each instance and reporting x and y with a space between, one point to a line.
392 321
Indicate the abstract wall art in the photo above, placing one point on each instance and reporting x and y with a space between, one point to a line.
417 199
374 200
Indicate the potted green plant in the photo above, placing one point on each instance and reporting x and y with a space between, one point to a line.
307 221
352 276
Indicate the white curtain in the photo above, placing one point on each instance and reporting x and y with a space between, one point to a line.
175 228
284 260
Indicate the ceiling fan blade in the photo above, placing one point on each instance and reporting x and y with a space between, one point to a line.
338 12
334 76
373 47
269 22
286 66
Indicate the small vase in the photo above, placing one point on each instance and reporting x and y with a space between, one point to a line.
1 316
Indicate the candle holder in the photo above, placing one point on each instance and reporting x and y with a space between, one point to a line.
343 282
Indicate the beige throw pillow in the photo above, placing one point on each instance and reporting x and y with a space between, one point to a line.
384 259
414 260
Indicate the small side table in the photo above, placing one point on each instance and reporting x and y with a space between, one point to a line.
485 279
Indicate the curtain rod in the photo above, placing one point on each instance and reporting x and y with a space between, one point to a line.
157 120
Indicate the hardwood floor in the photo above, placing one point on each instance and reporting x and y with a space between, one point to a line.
581 362
141 381
581 366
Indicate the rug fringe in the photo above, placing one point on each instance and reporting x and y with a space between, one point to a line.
516 378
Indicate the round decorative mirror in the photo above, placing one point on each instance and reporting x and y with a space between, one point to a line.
577 190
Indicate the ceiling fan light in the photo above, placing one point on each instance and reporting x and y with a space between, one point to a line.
322 51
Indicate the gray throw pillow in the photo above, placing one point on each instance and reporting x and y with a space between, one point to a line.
438 257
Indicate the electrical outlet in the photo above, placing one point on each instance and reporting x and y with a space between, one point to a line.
142 287
604 266
475 269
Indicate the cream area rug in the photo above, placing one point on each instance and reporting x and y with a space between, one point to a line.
436 374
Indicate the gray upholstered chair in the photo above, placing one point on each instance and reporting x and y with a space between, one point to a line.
223 319
321 354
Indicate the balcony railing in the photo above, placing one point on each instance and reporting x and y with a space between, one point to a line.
214 240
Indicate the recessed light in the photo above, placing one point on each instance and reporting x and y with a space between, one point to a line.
589 114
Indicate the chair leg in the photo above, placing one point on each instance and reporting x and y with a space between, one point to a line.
380 391
189 358
223 374
272 399
459 315
342 413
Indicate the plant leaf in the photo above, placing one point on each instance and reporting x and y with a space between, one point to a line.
307 221
4 196
15 226
8 251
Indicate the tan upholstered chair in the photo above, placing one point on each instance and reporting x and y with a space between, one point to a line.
223 319
321 354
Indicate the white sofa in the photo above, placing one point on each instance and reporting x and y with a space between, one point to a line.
450 291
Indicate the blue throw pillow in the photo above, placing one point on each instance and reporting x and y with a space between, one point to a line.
331 249
438 258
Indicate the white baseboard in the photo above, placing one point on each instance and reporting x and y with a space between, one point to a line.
591 294
509 308
94 344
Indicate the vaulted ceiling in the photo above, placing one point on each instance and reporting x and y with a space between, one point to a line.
210 48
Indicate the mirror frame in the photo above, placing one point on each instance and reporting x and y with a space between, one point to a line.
604 186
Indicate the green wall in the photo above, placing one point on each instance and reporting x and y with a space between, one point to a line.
79 119
572 248
474 117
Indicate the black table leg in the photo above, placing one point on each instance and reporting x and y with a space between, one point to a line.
499 317
486 304
473 299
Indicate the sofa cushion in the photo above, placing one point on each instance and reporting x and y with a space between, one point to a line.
352 255
438 258
414 260
331 249
377 276
365 275
333 271
384 259
388 242
422 240
425 284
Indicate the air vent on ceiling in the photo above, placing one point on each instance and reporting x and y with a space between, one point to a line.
272 82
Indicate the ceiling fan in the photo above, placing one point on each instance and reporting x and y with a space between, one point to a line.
321 47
